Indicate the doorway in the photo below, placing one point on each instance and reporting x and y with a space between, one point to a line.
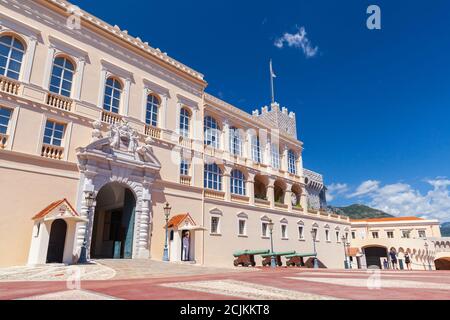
113 229
374 256
56 242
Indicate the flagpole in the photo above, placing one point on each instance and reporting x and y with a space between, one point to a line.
271 82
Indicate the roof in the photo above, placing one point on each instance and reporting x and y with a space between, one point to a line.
177 220
43 213
353 252
393 219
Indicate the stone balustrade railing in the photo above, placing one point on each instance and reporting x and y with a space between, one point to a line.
60 102
185 180
240 198
9 85
111 117
214 194
186 142
153 132
52 152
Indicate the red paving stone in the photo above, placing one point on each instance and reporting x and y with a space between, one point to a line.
150 289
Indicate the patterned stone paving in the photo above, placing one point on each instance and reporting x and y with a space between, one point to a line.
70 295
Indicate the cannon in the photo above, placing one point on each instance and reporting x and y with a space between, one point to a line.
268 257
246 258
297 259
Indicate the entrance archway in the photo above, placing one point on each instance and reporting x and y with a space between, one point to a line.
114 223
56 242
374 255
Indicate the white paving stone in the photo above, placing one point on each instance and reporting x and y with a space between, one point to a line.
71 295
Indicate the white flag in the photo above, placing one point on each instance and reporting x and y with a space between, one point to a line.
271 70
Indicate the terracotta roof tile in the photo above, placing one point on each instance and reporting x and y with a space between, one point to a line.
387 219
175 221
51 207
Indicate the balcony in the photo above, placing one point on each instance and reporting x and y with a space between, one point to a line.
185 180
152 132
186 142
111 117
8 85
239 198
60 102
262 203
281 206
297 208
3 140
52 152
214 194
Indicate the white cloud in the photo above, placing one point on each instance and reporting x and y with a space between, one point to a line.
365 188
335 190
297 40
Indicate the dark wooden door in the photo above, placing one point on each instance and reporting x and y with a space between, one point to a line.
56 242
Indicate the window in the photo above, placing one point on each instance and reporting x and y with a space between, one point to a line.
11 56
237 182
375 235
242 227
390 234
284 231
215 225
235 141
275 153
422 234
54 133
353 235
406 234
292 162
300 233
151 112
185 118
265 228
213 177
5 116
184 167
211 132
327 235
113 93
62 77
256 149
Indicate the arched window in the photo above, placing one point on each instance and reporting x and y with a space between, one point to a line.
213 177
11 56
256 149
237 183
113 94
62 76
292 162
275 153
235 141
185 119
152 111
211 132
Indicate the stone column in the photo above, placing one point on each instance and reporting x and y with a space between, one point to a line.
304 200
79 78
48 67
84 229
287 197
271 192
284 159
30 57
226 137
226 183
251 188
126 96
145 219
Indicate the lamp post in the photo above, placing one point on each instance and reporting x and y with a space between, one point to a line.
89 200
314 235
272 258
167 209
346 264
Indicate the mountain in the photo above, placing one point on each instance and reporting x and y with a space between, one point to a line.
445 229
359 211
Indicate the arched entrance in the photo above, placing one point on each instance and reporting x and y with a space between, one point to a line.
442 263
57 240
375 255
114 223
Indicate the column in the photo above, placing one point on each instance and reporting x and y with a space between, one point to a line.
48 67
163 122
101 91
79 78
145 220
226 136
299 164
267 153
30 57
304 200
226 183
271 192
284 158
251 188
126 96
287 197
84 229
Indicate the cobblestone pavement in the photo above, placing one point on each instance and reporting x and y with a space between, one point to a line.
185 282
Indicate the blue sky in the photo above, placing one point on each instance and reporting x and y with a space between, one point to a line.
373 106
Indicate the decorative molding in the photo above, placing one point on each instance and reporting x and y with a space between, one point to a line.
156 88
116 70
68 48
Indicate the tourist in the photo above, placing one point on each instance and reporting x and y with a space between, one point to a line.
393 256
408 261
386 264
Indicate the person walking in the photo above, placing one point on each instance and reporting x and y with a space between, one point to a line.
393 256
408 261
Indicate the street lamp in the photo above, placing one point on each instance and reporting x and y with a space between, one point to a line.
346 264
89 201
272 258
167 209
314 235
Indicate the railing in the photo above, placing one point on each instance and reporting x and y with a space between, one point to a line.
214 194
153 132
9 86
60 102
3 140
185 180
185 142
312 211
111 117
297 208
240 198
323 213
261 202
52 152
281 205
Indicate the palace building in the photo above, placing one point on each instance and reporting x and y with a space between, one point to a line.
99 131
